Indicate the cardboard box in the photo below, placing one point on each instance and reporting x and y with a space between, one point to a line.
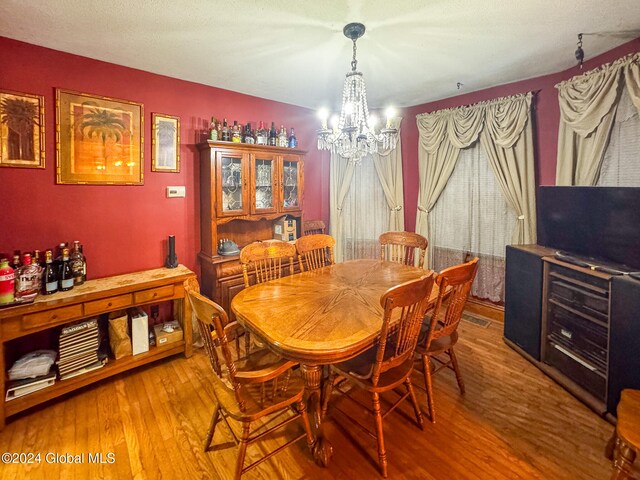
285 230
163 338
139 331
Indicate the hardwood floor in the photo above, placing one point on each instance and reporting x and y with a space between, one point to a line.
512 423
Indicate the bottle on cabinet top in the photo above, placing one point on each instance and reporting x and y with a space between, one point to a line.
66 276
236 136
293 141
261 134
226 136
272 135
213 132
282 137
50 276
7 282
248 135
28 279
77 264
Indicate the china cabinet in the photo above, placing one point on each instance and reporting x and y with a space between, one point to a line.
244 190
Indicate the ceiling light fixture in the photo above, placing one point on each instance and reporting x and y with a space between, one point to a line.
353 134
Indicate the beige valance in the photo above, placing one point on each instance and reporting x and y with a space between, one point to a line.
588 104
504 118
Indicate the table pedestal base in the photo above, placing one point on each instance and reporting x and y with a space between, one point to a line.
322 449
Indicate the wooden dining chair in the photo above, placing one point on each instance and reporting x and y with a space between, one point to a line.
403 247
624 446
312 227
248 389
439 331
385 367
266 260
315 251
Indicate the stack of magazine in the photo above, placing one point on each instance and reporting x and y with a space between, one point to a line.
78 350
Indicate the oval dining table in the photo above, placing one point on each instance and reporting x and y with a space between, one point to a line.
322 317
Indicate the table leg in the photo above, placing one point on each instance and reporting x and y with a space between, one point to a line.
322 449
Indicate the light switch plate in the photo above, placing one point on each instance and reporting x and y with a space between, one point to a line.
174 192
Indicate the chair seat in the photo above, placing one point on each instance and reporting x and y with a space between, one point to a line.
361 366
629 417
437 345
261 361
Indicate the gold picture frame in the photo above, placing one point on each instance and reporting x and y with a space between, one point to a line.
99 140
165 143
21 130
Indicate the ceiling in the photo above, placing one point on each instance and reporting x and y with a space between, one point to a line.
294 51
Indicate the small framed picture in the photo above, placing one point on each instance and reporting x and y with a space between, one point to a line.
21 130
99 140
165 148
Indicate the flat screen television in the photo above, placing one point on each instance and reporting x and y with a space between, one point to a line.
601 223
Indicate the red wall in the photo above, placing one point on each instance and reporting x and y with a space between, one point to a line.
124 228
546 117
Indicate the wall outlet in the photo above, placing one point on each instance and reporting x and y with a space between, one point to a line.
174 192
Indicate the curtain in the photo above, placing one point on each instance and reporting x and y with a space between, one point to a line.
340 175
508 141
442 134
365 213
473 218
588 105
621 162
388 165
503 128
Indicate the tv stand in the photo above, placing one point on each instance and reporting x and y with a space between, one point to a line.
585 319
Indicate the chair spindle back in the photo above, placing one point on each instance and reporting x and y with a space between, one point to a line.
266 260
403 247
315 251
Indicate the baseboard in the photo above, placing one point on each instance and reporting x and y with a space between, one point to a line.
485 309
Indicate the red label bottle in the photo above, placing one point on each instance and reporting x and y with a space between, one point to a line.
7 282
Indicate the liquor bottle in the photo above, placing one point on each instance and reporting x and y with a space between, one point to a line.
37 259
293 141
248 135
226 136
236 136
261 134
84 264
77 264
272 135
7 282
213 133
28 279
66 276
282 137
16 263
50 276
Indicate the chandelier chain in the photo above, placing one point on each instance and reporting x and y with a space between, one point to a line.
354 62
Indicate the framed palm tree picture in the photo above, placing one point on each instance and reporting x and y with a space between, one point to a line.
99 140
165 145
21 130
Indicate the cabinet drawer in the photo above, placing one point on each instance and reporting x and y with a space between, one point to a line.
153 294
50 317
107 304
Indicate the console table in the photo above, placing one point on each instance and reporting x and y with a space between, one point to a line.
91 299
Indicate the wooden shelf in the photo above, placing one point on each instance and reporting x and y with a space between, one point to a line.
113 367
94 298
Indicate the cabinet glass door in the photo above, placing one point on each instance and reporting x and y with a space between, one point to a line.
232 188
263 182
291 175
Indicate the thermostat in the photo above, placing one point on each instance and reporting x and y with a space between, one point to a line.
173 192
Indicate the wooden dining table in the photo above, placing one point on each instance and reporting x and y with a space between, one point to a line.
322 317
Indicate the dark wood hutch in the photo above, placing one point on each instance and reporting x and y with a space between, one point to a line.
244 190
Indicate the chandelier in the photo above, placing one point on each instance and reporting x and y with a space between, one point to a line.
353 134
